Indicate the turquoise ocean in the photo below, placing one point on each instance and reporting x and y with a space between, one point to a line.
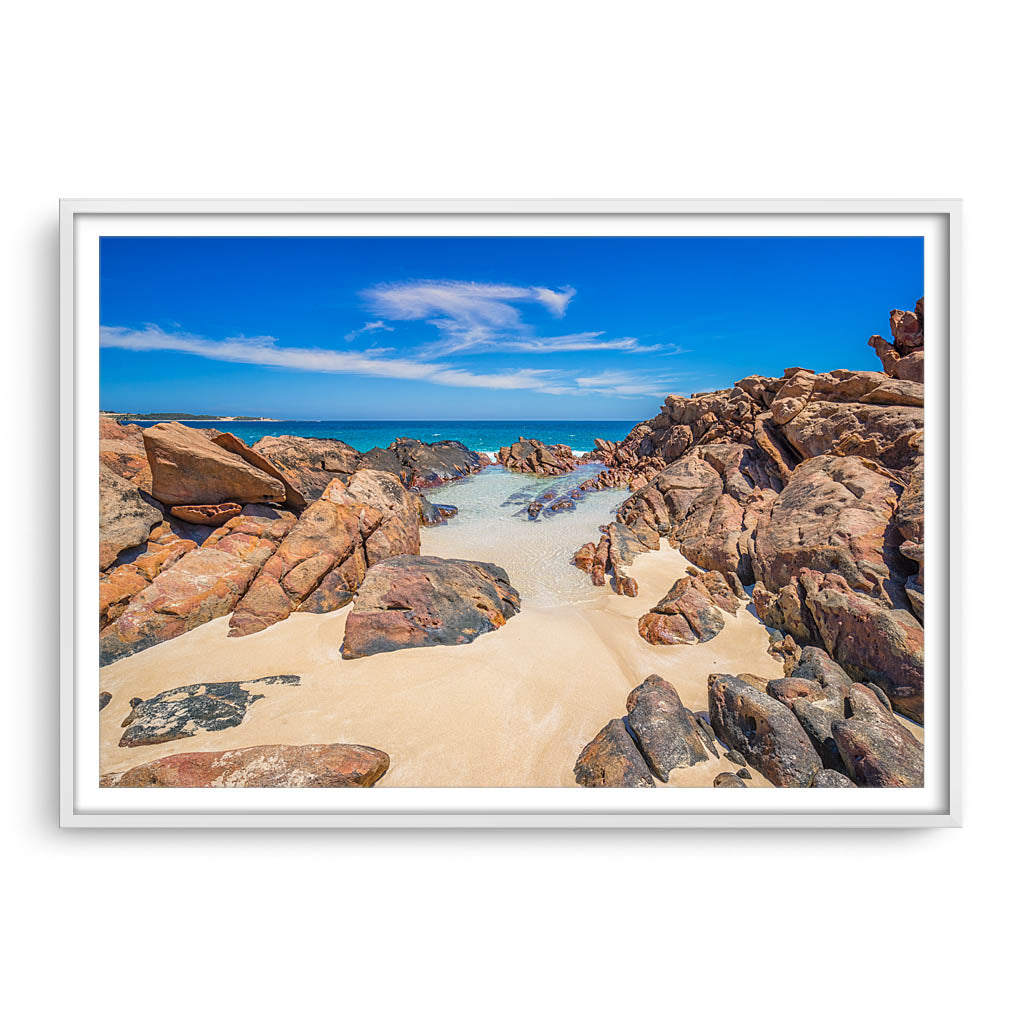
480 435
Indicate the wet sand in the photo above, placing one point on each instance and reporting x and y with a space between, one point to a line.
513 708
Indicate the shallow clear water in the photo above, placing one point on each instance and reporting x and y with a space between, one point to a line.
536 554
480 435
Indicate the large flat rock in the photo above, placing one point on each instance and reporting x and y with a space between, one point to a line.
423 601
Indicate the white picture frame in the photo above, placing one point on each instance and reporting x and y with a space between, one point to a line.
84 805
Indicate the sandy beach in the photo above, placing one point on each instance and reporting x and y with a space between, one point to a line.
514 708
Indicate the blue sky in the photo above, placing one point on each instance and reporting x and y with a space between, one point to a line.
481 328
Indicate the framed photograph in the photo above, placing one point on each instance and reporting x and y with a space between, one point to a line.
509 514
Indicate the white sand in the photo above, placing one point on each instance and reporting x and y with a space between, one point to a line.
513 708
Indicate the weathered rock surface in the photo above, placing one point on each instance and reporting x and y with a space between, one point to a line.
876 748
666 732
764 730
126 515
330 535
435 515
206 515
612 759
399 530
687 614
528 455
421 465
189 469
828 779
423 601
728 780
122 450
186 710
309 464
315 765
203 584
230 443
834 515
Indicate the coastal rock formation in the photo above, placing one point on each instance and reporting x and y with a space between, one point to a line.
309 464
421 465
122 450
292 498
203 584
186 710
691 612
312 766
809 486
126 515
763 730
666 732
327 540
423 601
206 515
611 758
875 747
531 456
435 515
399 531
189 469
728 780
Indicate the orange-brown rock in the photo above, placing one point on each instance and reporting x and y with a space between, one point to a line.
834 515
126 515
423 601
687 614
207 515
309 464
327 534
122 450
189 469
528 455
202 585
230 443
315 765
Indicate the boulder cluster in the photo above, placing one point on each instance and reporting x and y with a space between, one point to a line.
531 456
809 487
195 524
815 727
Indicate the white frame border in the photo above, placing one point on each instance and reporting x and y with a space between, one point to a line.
71 816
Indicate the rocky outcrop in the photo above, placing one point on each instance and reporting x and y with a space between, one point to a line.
528 455
206 515
203 584
420 465
126 515
611 758
230 443
190 469
691 612
435 515
399 530
187 710
809 486
763 729
312 766
309 464
423 601
322 558
875 747
872 641
122 451
666 732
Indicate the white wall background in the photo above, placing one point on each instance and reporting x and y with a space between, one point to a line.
875 99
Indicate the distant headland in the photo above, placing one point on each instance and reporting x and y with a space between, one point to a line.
183 416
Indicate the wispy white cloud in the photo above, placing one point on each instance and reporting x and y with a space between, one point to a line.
368 328
264 351
472 317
